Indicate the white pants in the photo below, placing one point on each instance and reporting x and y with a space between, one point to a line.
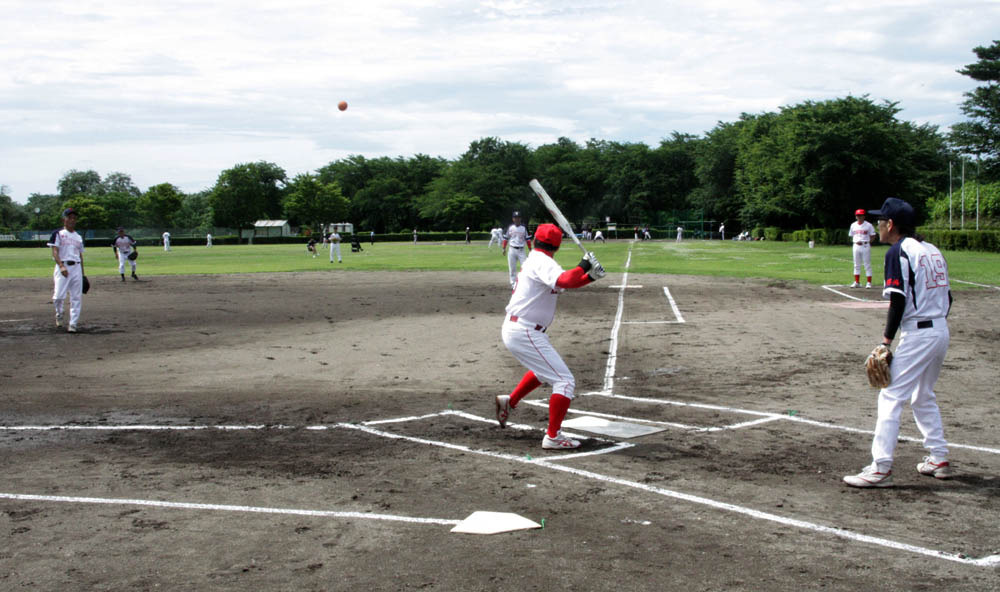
122 258
863 256
335 248
515 257
166 245
493 239
680 234
72 285
915 367
533 349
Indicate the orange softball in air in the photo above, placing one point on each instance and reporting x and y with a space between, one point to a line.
342 105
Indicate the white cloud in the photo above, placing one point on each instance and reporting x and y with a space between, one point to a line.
177 90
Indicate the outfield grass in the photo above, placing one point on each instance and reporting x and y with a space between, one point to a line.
775 260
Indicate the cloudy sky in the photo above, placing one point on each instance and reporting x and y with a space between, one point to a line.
178 90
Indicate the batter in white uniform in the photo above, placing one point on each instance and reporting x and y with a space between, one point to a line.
123 245
335 246
916 283
515 245
67 250
861 234
529 314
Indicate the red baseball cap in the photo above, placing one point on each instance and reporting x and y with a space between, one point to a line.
859 212
548 234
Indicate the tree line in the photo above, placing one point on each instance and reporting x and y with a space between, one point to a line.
806 165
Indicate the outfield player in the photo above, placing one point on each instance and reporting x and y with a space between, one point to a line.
514 246
528 315
862 232
599 236
208 240
311 247
722 231
496 236
67 251
916 283
335 246
166 241
680 233
122 246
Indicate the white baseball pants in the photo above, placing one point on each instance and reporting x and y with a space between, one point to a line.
532 348
515 257
335 248
122 258
915 367
863 256
71 285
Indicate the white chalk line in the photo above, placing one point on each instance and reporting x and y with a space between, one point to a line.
609 372
625 287
773 416
544 462
13 320
749 512
673 305
226 508
653 322
975 284
845 295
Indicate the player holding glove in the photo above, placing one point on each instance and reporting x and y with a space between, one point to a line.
916 282
529 313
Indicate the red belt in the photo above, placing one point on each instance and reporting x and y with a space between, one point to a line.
537 327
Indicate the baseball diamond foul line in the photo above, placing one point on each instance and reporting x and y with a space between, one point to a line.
609 373
225 508
673 305
749 512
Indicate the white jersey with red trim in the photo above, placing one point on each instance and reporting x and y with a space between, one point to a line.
861 233
535 293
517 236
918 271
70 245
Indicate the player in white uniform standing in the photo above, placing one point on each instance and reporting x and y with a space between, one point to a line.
67 250
529 314
335 246
916 283
862 232
208 239
123 245
680 233
166 241
514 246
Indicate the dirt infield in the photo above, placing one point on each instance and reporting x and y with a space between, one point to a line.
760 393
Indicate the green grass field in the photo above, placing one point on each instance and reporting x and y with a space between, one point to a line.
777 260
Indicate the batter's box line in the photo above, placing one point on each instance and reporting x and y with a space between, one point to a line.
770 415
988 561
832 287
735 426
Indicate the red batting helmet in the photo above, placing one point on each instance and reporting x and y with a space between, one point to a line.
859 212
548 237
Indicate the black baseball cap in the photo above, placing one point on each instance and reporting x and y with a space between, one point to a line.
516 214
898 211
69 212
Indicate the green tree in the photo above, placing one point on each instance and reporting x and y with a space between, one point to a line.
45 211
195 212
160 204
12 216
308 200
77 182
122 208
93 216
573 176
247 193
715 166
120 183
980 136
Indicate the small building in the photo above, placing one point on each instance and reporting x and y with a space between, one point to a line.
271 228
342 228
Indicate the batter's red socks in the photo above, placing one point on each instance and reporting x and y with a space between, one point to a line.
558 406
869 279
528 383
857 278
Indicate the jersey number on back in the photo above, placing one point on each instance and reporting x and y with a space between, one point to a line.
935 271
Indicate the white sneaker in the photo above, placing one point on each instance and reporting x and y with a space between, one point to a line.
503 409
59 319
870 477
937 469
72 329
868 285
855 285
560 442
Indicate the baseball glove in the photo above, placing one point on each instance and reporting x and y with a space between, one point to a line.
86 285
133 255
877 366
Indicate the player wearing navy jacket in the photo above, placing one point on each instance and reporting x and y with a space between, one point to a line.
916 283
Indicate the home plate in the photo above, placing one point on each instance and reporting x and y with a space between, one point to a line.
493 523
615 429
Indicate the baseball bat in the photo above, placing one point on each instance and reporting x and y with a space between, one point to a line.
556 213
